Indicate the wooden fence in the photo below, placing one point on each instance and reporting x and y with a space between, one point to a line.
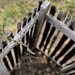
41 31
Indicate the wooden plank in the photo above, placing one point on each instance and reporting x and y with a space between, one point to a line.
39 4
62 40
60 26
41 17
33 28
28 33
15 49
74 26
67 19
19 36
23 23
3 69
64 69
18 30
34 12
4 44
64 50
48 25
51 33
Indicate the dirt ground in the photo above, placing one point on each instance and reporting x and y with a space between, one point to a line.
37 67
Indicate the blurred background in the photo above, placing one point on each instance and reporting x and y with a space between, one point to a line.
12 11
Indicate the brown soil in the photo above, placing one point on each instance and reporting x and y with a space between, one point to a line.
37 67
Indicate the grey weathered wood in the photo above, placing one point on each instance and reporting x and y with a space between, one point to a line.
28 33
60 26
3 69
74 27
4 44
34 12
41 17
39 4
19 36
68 73
18 30
67 19
18 27
32 29
23 23
64 69
15 49
48 25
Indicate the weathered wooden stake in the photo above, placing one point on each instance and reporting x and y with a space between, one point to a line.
52 32
63 39
67 19
23 23
10 35
18 30
48 25
41 17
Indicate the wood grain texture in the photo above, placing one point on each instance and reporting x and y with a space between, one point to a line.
60 26
19 36
41 18
3 69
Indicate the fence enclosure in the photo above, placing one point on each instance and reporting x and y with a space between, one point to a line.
41 31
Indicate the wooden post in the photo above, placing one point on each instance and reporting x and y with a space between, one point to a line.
23 23
63 39
32 29
10 35
18 30
4 44
67 19
39 4
41 18
52 32
34 12
4 66
68 56
66 68
28 33
60 26
48 25
19 36
3 69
